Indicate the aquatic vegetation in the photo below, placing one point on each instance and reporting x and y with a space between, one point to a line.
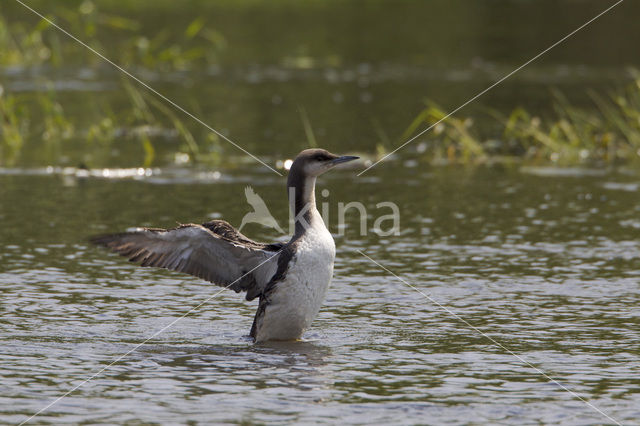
12 127
455 136
52 126
141 130
41 118
24 46
312 142
607 134
169 49
197 44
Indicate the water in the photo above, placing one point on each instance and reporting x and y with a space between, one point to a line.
543 261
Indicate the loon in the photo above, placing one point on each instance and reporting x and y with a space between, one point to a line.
289 279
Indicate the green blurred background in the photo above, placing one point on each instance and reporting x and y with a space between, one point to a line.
278 76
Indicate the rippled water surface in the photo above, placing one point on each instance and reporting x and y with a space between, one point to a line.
517 289
543 263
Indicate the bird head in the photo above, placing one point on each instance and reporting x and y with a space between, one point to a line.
314 162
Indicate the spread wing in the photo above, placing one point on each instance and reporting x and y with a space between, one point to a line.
213 251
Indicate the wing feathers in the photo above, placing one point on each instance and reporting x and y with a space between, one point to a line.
215 252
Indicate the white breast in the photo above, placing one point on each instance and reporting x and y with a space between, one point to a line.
296 300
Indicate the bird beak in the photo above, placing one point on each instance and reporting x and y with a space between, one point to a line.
343 159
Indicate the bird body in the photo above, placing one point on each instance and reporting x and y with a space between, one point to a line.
293 302
290 280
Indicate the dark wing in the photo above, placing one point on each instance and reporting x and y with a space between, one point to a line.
214 251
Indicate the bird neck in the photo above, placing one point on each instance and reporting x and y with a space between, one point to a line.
302 199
